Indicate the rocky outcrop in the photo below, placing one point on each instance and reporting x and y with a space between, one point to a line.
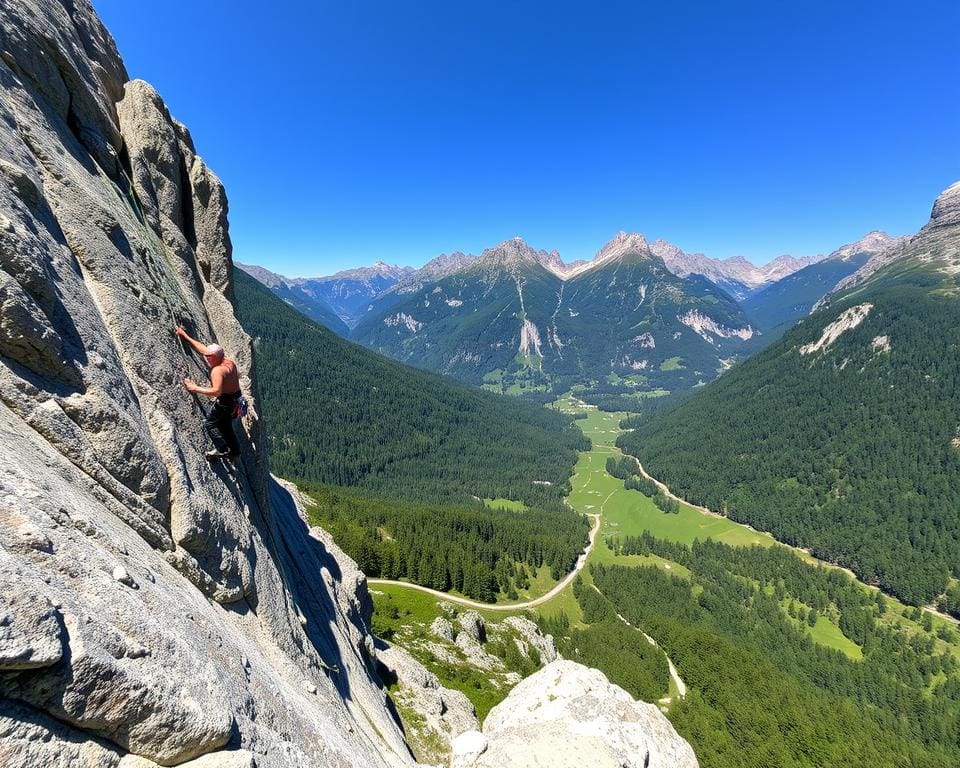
569 716
946 208
528 636
154 609
433 715
934 244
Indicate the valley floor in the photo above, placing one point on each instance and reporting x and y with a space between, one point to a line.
712 624
619 512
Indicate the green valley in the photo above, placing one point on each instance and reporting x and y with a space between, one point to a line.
732 609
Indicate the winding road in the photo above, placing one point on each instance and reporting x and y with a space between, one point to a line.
581 561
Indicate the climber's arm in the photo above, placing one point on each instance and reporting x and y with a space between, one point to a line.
197 346
216 384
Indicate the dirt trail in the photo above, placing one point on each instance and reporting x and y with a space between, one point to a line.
558 587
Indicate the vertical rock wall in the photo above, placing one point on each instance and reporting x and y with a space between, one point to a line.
150 604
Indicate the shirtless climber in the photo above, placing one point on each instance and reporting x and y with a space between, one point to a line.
225 387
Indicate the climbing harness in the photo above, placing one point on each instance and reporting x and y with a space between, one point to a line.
240 406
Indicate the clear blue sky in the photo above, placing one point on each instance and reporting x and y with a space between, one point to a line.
353 131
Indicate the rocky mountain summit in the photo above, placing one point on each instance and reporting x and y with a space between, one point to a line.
154 609
736 275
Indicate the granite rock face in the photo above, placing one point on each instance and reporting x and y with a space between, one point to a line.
154 610
569 716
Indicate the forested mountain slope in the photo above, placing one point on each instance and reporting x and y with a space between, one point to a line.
341 414
844 436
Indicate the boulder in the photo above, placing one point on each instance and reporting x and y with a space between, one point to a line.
531 635
570 716
442 629
472 624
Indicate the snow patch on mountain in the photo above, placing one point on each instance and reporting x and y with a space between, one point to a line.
402 318
454 303
848 320
707 328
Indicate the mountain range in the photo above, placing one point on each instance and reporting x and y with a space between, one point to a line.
345 293
736 275
779 305
518 320
336 301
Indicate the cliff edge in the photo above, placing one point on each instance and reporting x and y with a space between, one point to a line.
152 605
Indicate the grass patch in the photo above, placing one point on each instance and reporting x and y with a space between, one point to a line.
825 632
643 394
672 364
507 504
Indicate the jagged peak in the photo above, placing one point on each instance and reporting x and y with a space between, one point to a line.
619 245
377 269
263 275
436 269
873 242
665 249
515 252
946 208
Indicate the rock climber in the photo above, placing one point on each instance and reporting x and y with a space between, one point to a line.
225 387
